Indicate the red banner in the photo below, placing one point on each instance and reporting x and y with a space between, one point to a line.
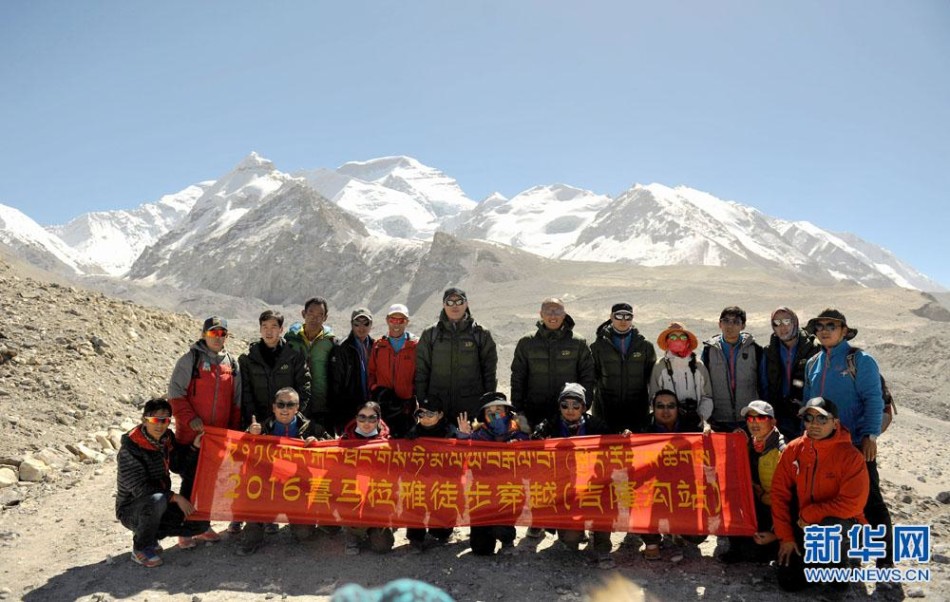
682 483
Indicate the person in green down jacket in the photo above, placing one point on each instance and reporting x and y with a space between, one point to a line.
315 341
547 359
456 358
623 363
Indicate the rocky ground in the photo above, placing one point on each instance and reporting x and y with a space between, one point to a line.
75 367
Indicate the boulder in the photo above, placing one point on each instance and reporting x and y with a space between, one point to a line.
33 470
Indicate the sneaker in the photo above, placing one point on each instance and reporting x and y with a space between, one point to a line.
271 528
352 548
157 548
235 526
535 533
147 558
651 552
209 536
508 548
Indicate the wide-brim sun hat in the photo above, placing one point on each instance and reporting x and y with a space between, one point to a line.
661 341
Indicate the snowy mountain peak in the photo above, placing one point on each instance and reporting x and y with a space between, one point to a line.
494 198
375 170
555 192
255 162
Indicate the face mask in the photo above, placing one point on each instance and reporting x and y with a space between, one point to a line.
372 433
499 425
792 335
678 348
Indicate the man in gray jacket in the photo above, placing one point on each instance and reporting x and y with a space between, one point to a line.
732 359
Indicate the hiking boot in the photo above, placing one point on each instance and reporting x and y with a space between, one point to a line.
147 557
249 548
631 540
652 552
235 526
535 533
605 562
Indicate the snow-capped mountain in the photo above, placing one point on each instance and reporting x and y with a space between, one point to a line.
30 241
369 214
115 239
544 220
395 196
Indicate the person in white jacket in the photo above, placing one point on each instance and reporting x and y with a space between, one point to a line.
681 371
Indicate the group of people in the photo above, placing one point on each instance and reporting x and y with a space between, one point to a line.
309 384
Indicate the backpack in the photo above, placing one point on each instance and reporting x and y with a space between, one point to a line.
890 407
195 373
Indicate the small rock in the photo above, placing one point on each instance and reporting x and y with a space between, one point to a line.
676 558
922 478
196 598
907 499
944 497
700 591
110 559
940 558
916 592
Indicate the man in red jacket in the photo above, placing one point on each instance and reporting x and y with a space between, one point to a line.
392 371
827 478
205 390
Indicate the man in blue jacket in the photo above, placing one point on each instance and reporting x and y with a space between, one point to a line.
852 378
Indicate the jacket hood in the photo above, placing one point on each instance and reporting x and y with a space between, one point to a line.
350 431
604 331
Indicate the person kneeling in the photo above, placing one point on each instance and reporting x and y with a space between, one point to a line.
804 495
287 421
499 423
145 502
367 426
575 421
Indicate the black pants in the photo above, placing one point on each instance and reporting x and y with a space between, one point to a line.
876 512
189 466
792 577
420 534
483 539
152 517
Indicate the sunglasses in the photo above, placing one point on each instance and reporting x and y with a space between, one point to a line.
731 321
623 317
829 326
571 405
221 334
361 323
677 337
819 418
759 418
454 302
365 418
285 405
782 322
396 320
156 419
426 414
553 312
665 406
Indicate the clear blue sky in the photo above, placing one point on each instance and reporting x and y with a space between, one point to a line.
835 112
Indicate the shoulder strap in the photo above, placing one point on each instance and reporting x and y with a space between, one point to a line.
852 362
692 362
669 367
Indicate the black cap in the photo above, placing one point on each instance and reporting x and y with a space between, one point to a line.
454 292
825 407
495 398
832 314
215 322
433 404
621 307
